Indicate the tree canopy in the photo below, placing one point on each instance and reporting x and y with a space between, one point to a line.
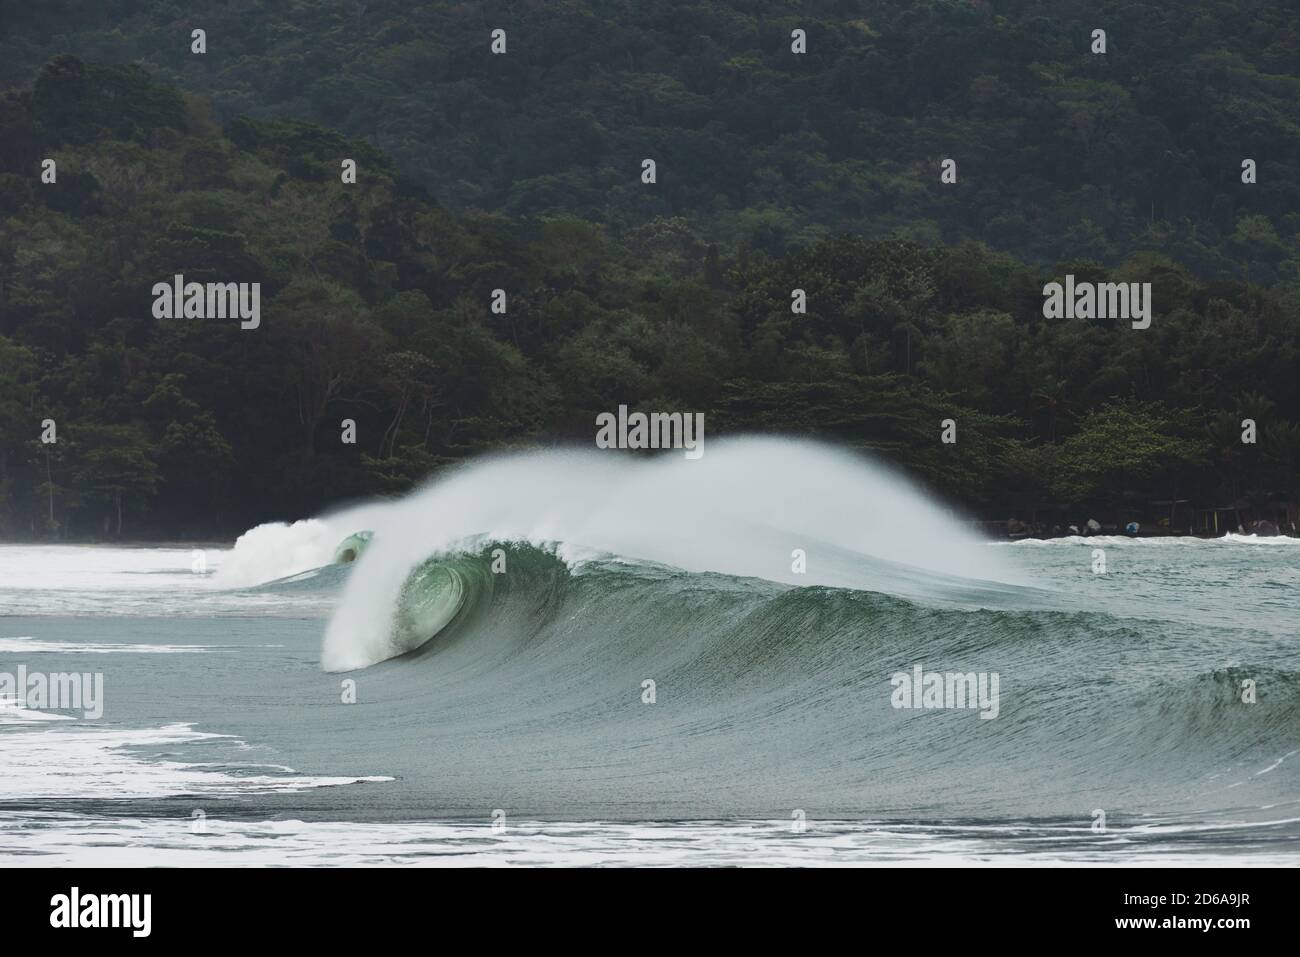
376 308
1061 152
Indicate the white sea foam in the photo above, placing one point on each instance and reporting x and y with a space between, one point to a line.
27 645
81 761
54 839
99 568
11 713
125 581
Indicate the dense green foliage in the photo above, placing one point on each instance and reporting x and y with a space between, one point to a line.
1062 153
375 307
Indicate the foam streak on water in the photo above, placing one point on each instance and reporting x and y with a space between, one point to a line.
62 839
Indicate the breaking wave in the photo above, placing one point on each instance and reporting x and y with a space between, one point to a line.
784 511
510 616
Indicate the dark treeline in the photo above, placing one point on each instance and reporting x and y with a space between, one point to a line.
1062 153
375 307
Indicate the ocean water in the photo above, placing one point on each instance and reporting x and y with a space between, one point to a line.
505 719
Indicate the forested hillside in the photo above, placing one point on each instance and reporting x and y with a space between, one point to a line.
375 307
1061 152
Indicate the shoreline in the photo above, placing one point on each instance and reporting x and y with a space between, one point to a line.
980 528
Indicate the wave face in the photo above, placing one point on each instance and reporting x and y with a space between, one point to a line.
770 697
742 510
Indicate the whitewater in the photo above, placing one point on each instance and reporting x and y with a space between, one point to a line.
584 657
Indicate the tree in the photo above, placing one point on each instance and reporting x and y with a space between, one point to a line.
114 464
17 419
1120 444
329 343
